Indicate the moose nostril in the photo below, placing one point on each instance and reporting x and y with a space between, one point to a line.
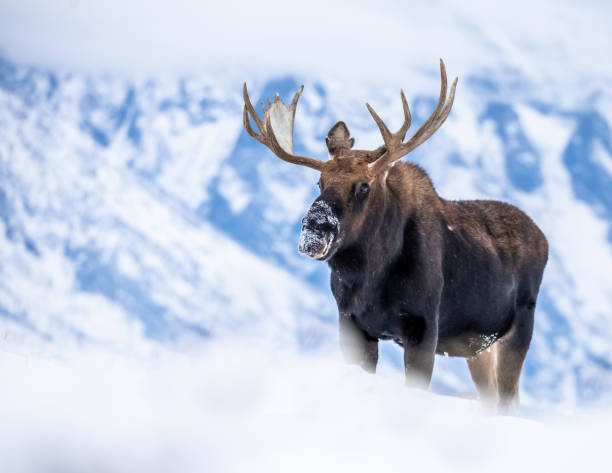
320 218
326 227
310 222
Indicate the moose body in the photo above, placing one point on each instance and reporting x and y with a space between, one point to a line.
449 278
459 278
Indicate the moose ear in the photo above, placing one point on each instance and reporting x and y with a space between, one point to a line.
338 138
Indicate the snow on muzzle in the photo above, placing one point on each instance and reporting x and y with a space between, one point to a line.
319 230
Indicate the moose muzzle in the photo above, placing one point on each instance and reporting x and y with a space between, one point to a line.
320 228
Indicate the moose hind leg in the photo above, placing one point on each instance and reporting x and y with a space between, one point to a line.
357 346
483 370
511 352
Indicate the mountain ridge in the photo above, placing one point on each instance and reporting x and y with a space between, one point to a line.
140 213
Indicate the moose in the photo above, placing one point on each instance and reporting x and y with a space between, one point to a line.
458 278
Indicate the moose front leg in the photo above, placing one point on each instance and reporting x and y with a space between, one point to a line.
420 338
357 346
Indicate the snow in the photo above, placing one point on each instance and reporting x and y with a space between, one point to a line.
234 190
603 158
240 406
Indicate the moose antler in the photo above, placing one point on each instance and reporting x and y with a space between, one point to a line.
395 147
278 121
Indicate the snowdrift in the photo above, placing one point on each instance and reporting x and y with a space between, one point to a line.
244 407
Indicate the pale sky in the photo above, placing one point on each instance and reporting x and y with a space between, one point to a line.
342 38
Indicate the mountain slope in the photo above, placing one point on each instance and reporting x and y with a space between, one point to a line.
138 213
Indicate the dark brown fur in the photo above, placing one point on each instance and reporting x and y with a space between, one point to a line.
437 276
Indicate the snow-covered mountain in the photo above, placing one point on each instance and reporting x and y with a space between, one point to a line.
138 213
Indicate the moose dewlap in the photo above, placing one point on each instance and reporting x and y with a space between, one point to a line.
436 276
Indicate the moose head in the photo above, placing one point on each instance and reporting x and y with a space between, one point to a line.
352 182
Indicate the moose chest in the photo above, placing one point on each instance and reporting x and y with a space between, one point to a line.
378 307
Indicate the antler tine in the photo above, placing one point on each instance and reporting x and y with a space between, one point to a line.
394 143
407 117
436 123
297 96
384 131
248 128
426 126
266 133
248 106
294 102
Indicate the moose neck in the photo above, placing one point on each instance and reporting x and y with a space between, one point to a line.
379 241
405 207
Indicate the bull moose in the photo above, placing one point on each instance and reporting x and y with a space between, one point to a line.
458 278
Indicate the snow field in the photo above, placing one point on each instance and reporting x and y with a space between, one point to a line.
240 406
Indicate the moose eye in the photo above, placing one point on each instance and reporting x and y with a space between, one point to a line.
364 189
320 184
